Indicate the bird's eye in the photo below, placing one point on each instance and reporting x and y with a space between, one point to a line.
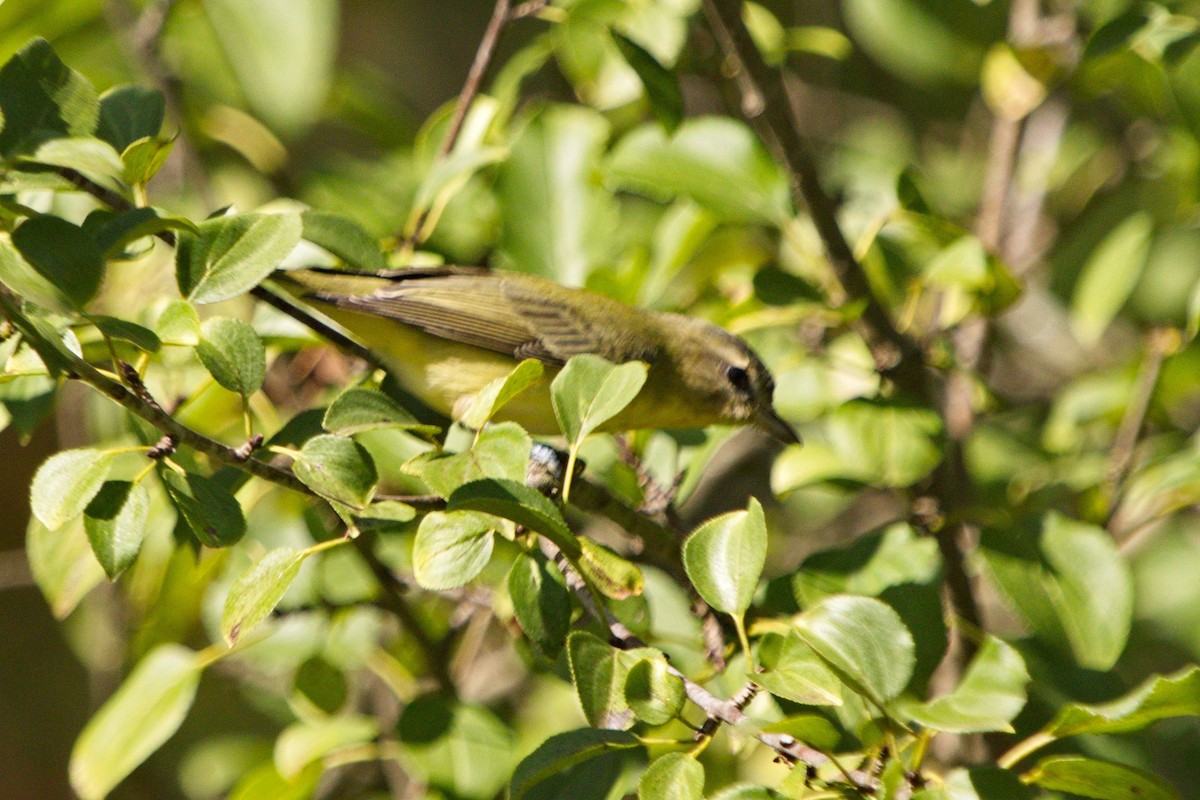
738 377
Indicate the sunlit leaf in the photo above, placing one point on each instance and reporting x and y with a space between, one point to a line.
115 522
258 590
675 776
1104 780
230 255
148 708
233 354
451 548
863 641
65 484
724 558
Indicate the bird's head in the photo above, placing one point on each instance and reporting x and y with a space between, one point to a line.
720 368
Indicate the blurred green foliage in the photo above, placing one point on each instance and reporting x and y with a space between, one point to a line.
1018 181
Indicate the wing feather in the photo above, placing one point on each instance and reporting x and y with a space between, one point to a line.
479 308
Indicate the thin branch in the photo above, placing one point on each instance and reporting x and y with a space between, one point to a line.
154 414
724 711
483 57
1159 343
502 14
764 104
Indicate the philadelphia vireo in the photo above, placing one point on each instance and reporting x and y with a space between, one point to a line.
446 332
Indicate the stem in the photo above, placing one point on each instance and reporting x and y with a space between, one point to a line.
1159 342
765 105
1023 749
153 413
572 455
739 624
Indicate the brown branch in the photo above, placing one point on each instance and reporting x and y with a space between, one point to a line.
483 57
723 711
765 105
502 14
1159 343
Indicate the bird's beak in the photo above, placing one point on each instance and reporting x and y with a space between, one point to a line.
772 423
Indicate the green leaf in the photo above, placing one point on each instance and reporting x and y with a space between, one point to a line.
148 708
590 391
386 515
1070 584
660 83
675 776
652 692
979 783
715 161
345 238
64 255
95 159
114 231
337 468
142 159
1157 698
1116 34
282 56
519 503
130 112
207 507
1109 276
897 565
491 398
792 670
614 576
265 782
63 565
461 749
599 672
357 410
561 753
258 590
126 331
451 548
863 641
40 98
302 743
232 352
812 729
918 41
115 522
556 221
744 791
1104 780
724 558
880 445
28 283
499 451
230 255
179 324
989 696
321 684
65 484
541 604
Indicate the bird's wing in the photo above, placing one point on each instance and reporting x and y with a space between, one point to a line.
479 308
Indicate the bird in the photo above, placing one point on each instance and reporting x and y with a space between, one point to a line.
446 332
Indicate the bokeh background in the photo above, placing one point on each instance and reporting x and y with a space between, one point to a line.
339 92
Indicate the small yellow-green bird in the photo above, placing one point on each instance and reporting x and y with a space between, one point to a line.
446 332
